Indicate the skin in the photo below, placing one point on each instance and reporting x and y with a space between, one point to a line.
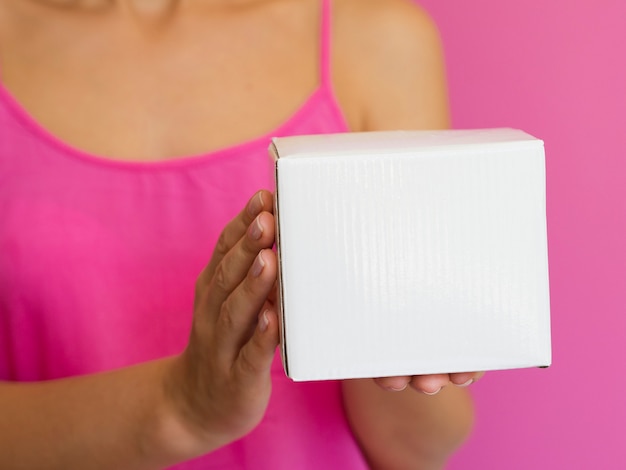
387 73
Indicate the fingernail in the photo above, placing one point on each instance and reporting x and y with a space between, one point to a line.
397 389
256 229
255 205
466 384
432 393
263 321
258 265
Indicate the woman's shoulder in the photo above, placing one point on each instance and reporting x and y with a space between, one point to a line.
385 29
402 18
388 59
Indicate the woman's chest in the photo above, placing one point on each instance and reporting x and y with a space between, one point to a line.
116 93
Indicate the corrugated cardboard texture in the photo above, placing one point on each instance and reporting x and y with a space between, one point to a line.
412 253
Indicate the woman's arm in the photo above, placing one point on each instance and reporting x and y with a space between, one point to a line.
159 413
407 429
120 419
392 76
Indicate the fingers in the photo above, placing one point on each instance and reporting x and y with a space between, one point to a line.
235 264
394 384
255 358
465 379
238 313
244 273
231 345
429 384
273 296
262 201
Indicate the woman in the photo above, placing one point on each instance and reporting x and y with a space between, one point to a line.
131 132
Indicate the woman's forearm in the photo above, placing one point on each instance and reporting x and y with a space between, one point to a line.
121 420
408 429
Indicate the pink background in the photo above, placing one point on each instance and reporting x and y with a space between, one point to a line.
556 69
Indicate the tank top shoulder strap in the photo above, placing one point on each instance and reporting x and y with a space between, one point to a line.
326 42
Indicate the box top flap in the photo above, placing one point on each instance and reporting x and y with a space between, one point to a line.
394 142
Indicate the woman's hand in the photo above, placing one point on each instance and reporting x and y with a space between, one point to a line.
428 384
221 384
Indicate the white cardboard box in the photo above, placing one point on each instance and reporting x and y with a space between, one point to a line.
411 252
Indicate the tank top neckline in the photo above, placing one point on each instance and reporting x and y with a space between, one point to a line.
30 124
323 92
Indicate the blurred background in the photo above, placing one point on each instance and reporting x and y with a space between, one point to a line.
556 69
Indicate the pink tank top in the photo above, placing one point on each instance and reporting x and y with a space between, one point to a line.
98 261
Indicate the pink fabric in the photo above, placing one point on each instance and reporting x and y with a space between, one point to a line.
98 261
